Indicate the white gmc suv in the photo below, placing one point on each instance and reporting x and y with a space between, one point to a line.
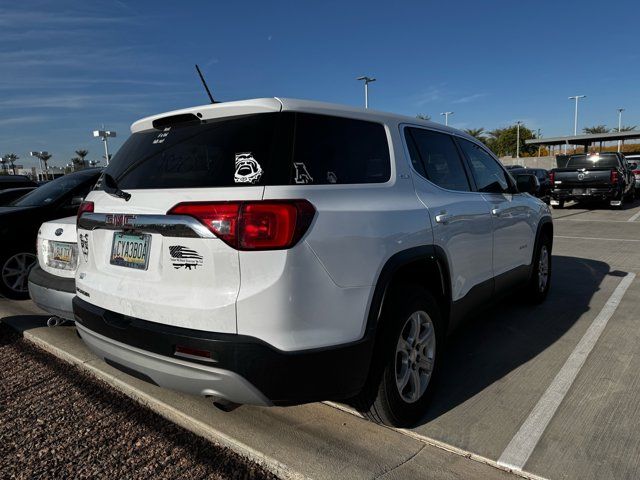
277 251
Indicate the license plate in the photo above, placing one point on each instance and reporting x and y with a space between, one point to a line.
130 250
61 251
579 191
555 202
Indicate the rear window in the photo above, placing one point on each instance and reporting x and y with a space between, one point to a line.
593 161
263 149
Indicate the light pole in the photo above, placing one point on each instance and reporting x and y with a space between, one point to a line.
367 81
39 156
620 110
446 117
539 146
518 123
575 118
103 135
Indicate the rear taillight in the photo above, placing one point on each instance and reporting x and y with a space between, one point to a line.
636 172
260 225
552 177
614 176
84 208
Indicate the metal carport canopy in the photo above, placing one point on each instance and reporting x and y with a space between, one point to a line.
586 139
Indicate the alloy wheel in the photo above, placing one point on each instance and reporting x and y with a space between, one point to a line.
415 356
15 271
543 269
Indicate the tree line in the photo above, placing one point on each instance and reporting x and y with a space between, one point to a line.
8 161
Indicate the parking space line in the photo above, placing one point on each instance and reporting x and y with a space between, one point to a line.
634 217
521 446
599 238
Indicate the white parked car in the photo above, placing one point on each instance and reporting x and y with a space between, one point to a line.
52 280
277 251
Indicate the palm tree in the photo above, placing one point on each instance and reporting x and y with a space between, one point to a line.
45 158
478 133
81 156
11 158
422 116
597 129
624 128
77 163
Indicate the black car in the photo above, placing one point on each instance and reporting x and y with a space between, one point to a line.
16 181
544 192
10 194
604 176
21 219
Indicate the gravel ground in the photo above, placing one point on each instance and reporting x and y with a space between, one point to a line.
58 422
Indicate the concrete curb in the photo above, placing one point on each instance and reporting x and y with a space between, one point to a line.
172 414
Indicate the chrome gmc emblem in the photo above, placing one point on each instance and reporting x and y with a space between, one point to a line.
120 219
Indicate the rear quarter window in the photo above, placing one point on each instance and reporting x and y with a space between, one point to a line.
335 150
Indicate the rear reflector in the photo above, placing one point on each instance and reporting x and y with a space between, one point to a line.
85 207
255 225
190 352
552 177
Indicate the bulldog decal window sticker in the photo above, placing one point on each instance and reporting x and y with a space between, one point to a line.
248 170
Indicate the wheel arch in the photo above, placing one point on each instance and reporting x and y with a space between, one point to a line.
545 227
425 265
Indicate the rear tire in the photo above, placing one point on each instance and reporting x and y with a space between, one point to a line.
538 286
406 359
14 274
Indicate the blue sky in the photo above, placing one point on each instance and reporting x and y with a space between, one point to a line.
66 66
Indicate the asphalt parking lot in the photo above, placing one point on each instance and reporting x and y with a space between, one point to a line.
502 364
551 390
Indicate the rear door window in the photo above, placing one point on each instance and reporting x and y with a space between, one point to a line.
438 159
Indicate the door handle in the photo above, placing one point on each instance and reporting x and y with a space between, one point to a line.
496 212
443 218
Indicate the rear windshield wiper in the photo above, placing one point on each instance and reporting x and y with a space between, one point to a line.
110 186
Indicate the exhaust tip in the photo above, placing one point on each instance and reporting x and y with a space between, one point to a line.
53 321
225 405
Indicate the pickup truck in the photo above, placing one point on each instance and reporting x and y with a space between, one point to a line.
600 176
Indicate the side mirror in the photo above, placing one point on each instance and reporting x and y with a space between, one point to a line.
633 166
527 183
76 201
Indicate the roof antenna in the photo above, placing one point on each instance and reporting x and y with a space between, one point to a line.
205 84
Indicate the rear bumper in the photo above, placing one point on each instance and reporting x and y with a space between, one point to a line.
172 373
593 193
242 369
51 293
